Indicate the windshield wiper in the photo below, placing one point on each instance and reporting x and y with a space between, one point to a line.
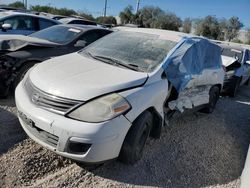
114 61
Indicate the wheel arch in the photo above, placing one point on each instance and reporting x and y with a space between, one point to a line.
157 122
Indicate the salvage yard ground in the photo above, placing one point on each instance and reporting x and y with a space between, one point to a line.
197 150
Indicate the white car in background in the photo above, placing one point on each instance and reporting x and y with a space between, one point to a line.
105 101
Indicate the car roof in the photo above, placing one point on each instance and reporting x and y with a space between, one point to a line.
165 34
69 19
83 27
10 13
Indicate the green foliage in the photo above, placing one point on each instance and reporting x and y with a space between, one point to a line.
232 28
127 15
106 20
222 29
208 27
53 10
85 15
151 17
17 4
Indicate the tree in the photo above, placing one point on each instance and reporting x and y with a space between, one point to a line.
53 10
106 20
86 15
232 28
154 17
127 15
187 25
17 4
208 27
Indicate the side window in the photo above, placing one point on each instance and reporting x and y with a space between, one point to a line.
90 36
43 23
21 22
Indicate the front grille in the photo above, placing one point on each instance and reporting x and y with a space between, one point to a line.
47 101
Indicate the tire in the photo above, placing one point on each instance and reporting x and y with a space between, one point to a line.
234 87
136 138
214 95
21 73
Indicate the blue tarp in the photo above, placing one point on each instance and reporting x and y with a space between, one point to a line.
190 57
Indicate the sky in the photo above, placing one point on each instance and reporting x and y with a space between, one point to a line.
182 8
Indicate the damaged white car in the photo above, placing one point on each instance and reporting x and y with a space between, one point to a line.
236 60
105 101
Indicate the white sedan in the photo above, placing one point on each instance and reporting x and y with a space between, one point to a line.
105 101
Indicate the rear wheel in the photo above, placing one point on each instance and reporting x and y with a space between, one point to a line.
135 140
214 95
21 73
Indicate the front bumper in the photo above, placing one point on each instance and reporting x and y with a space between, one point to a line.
102 141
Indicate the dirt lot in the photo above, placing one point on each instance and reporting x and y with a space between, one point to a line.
197 150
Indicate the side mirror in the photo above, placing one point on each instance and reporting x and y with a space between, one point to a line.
248 62
6 26
81 43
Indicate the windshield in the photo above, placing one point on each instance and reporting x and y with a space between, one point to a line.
236 54
57 34
145 51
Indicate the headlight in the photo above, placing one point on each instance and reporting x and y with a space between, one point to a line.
101 109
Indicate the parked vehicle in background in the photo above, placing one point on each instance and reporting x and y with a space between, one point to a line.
52 16
236 60
71 20
105 100
23 23
22 52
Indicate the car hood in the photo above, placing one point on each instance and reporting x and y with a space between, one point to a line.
16 42
77 77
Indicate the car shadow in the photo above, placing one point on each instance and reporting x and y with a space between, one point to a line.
198 150
11 132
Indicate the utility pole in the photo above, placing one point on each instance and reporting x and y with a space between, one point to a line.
26 4
137 6
105 8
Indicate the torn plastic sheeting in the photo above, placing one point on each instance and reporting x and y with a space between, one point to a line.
190 98
191 57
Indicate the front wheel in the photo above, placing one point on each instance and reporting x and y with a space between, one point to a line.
214 95
135 140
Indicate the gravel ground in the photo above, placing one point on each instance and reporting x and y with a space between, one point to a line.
197 150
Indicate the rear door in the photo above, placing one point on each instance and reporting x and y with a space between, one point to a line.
20 24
